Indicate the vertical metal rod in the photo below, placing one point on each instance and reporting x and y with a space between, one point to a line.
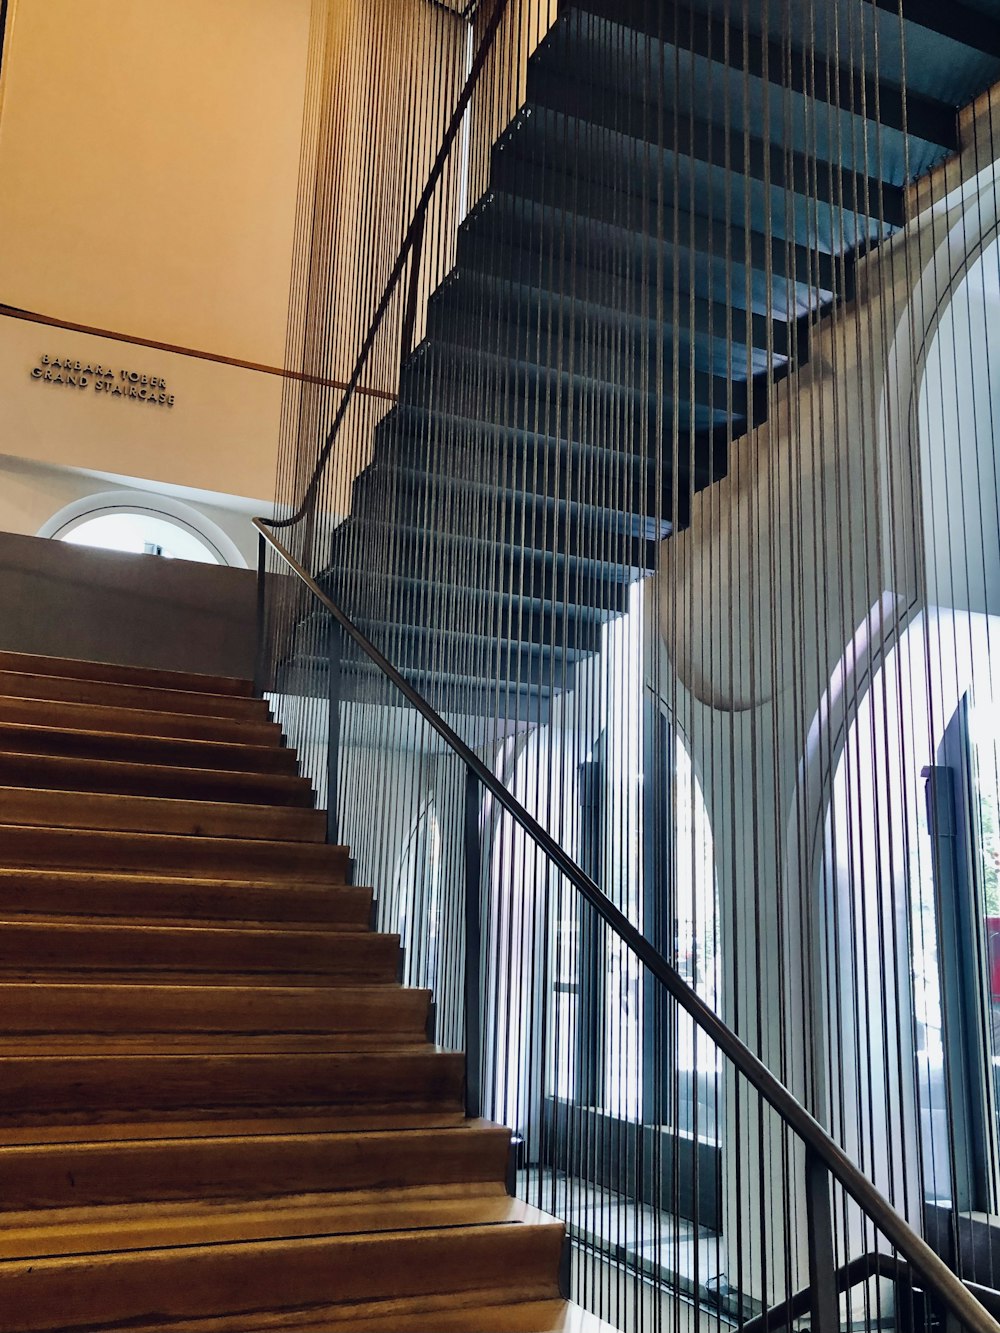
259 654
819 1227
473 938
334 640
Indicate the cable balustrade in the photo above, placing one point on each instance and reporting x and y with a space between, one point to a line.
621 1200
578 636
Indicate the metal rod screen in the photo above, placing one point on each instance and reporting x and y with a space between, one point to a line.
667 475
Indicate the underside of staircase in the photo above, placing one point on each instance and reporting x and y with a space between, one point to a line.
683 192
219 1110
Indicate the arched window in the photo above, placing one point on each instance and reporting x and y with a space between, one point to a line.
139 522
904 1052
140 533
910 894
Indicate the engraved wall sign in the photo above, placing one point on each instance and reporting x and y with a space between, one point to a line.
128 385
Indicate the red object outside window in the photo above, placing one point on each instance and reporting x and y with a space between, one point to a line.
993 953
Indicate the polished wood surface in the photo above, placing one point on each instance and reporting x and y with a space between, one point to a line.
32 664
112 716
118 694
146 814
221 1110
159 899
128 778
134 747
177 854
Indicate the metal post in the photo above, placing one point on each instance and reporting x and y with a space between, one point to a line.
819 1229
473 943
957 920
334 648
259 655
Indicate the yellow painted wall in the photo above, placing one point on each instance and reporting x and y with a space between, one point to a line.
149 163
149 159
149 166
220 434
31 494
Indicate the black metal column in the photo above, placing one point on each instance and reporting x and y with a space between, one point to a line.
334 648
473 949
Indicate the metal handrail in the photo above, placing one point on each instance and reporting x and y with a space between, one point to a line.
851 1274
822 1147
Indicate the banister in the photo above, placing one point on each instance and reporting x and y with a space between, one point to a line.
936 1274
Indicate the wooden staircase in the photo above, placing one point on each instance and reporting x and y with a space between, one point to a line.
219 1110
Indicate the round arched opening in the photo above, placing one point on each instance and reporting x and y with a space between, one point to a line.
908 921
139 523
140 533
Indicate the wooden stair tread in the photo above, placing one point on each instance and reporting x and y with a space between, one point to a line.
96 1173
194 1127
216 1043
156 1288
119 694
53 894
119 953
122 777
77 668
42 808
136 721
83 1089
493 1312
132 1226
499 1313
127 1012
240 755
107 1019
233 858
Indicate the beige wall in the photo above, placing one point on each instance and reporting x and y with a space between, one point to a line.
149 164
31 494
149 160
219 435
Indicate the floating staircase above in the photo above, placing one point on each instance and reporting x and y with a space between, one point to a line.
673 204
219 1110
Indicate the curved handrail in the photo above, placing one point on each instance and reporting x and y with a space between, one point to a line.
412 241
938 1276
852 1274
